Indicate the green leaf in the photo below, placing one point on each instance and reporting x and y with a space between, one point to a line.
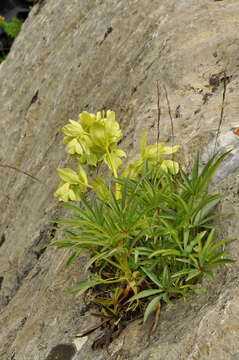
219 262
182 203
204 253
84 285
11 28
71 260
219 244
165 252
151 307
98 256
166 278
192 274
195 168
133 169
196 241
210 169
145 293
204 208
105 255
152 277
181 273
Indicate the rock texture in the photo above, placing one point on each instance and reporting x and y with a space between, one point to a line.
88 55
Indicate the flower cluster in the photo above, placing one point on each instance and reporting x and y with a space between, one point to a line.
154 155
94 139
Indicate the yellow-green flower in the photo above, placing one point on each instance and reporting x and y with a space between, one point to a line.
86 120
65 193
72 184
154 155
77 140
170 166
105 131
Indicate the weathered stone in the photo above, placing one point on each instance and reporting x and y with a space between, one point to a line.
88 55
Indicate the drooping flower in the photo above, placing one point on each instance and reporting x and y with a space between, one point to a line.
72 184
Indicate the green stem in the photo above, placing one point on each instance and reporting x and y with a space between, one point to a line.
117 186
111 163
110 281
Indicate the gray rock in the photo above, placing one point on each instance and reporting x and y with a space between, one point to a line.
88 55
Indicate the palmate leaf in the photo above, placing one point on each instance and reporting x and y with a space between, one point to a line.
90 220
196 241
126 215
205 248
87 229
186 185
197 183
209 170
204 208
183 205
219 244
105 255
94 258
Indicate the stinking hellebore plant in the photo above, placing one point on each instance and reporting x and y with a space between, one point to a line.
149 231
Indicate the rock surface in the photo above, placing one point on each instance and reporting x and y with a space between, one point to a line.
88 55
